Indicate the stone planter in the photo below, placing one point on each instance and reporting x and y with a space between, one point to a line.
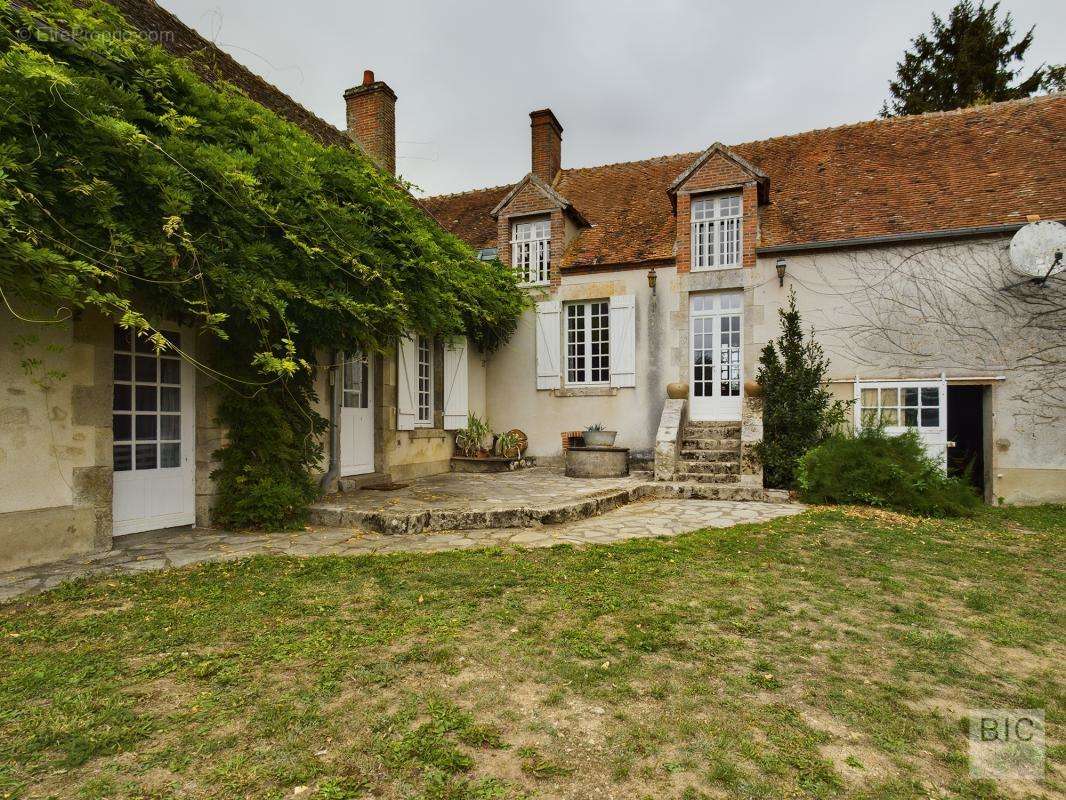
487 465
677 391
597 462
599 438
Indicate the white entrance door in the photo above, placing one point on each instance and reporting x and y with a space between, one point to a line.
357 416
715 377
154 428
904 405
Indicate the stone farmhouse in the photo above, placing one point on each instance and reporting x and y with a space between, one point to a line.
892 234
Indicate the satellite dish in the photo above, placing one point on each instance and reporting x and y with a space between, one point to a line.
1037 249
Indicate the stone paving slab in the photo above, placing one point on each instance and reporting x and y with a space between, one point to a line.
169 549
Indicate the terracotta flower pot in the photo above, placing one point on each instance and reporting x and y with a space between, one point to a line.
677 390
752 389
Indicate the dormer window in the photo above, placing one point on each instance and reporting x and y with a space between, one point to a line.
716 225
531 250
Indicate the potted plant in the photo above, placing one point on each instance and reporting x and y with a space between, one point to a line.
597 436
470 440
507 445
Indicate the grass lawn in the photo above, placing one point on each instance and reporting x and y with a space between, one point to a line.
831 654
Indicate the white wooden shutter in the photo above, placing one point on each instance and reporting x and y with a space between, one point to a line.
623 340
406 382
549 314
456 384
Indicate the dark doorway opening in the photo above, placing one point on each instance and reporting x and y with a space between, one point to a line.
966 429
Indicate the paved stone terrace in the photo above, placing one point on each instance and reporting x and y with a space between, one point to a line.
520 499
455 491
166 549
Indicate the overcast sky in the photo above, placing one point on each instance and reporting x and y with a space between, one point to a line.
627 80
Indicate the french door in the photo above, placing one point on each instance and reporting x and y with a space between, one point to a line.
919 405
357 415
715 347
153 431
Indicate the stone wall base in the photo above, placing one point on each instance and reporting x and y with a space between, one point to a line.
49 534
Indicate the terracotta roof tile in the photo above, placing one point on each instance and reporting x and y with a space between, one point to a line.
468 214
959 169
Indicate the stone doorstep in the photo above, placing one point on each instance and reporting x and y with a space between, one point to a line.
433 520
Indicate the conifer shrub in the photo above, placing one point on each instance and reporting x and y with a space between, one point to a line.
874 468
798 410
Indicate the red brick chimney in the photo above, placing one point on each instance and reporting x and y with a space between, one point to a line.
547 138
371 115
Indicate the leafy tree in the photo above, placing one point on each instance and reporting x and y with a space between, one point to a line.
131 187
798 410
964 61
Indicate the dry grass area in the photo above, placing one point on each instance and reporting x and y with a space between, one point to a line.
832 654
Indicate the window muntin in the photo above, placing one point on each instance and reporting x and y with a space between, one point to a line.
588 343
729 356
531 250
424 415
716 231
900 406
356 381
146 404
716 333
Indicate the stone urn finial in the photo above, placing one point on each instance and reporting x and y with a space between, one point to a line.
677 390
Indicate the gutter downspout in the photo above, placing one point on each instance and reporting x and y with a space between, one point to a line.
329 480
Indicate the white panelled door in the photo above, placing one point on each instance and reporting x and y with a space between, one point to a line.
921 405
357 415
715 376
154 428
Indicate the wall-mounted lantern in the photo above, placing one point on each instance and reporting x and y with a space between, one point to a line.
652 279
782 265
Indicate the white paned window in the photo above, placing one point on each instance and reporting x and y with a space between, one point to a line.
146 409
356 382
588 343
900 406
425 382
716 225
531 250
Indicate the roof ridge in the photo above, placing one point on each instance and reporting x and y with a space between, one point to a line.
907 118
880 121
449 195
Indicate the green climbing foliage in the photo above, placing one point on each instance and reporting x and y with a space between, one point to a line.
131 186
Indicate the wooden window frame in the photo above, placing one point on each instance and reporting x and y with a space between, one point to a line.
711 217
531 251
594 316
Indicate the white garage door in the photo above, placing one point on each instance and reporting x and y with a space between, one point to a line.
153 423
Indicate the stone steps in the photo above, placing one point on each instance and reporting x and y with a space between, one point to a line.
726 428
711 467
709 443
707 477
732 454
